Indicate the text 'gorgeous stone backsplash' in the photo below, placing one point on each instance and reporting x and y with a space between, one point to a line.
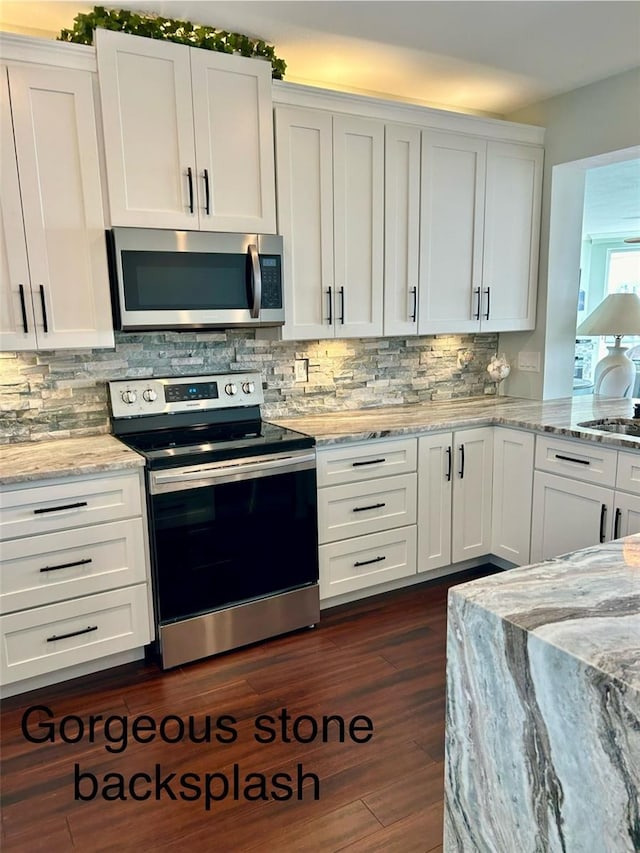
59 394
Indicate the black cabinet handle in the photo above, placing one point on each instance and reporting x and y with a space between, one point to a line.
486 316
414 313
363 508
190 179
368 462
207 199
72 634
58 508
603 516
449 463
461 472
342 305
570 459
23 308
368 562
476 316
67 565
616 523
45 323
330 295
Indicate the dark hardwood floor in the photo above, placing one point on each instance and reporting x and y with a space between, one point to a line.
382 658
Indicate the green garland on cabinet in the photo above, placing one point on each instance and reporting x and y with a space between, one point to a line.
181 32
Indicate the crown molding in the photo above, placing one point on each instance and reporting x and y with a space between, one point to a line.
61 54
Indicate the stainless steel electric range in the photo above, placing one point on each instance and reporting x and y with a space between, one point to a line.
232 512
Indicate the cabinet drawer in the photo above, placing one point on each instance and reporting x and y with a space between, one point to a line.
118 620
76 503
367 561
580 460
628 477
358 508
39 570
368 461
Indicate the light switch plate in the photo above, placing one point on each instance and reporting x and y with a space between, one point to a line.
529 362
301 369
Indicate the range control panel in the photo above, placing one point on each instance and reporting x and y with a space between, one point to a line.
135 397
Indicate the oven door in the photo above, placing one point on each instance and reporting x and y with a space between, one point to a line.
233 532
190 279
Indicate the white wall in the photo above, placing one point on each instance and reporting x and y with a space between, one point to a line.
593 120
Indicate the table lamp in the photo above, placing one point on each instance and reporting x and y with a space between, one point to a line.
618 314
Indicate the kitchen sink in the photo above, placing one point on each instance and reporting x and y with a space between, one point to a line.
622 426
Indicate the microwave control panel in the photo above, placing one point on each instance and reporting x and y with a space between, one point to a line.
271 281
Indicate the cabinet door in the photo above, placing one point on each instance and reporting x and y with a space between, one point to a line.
401 229
472 490
435 478
626 516
17 322
512 226
233 123
451 229
568 515
512 495
358 189
305 220
57 150
147 113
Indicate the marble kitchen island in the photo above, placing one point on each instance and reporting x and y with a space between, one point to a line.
543 707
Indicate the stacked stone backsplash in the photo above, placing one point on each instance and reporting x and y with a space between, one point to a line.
61 394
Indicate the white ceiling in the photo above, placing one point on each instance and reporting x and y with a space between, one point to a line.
477 56
612 200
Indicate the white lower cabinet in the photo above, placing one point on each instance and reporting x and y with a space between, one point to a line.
455 473
75 574
367 561
513 452
598 499
568 515
367 507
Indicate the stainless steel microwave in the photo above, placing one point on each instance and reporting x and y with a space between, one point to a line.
194 279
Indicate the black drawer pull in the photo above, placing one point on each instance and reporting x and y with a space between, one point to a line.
570 459
72 634
449 463
43 303
603 515
476 291
616 524
190 180
461 471
330 295
368 562
363 508
207 195
368 462
414 313
67 565
59 508
23 309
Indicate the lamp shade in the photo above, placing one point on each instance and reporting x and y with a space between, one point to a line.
618 314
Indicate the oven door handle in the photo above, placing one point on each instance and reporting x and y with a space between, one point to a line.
229 471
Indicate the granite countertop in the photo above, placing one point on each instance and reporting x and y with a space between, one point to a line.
560 417
586 604
65 457
543 702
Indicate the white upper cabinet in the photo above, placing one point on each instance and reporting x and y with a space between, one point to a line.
358 219
511 236
479 231
330 213
453 173
55 295
188 136
401 229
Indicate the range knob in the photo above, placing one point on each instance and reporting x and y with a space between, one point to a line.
248 387
231 388
129 397
149 395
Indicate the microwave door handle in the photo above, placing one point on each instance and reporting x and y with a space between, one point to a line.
254 310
